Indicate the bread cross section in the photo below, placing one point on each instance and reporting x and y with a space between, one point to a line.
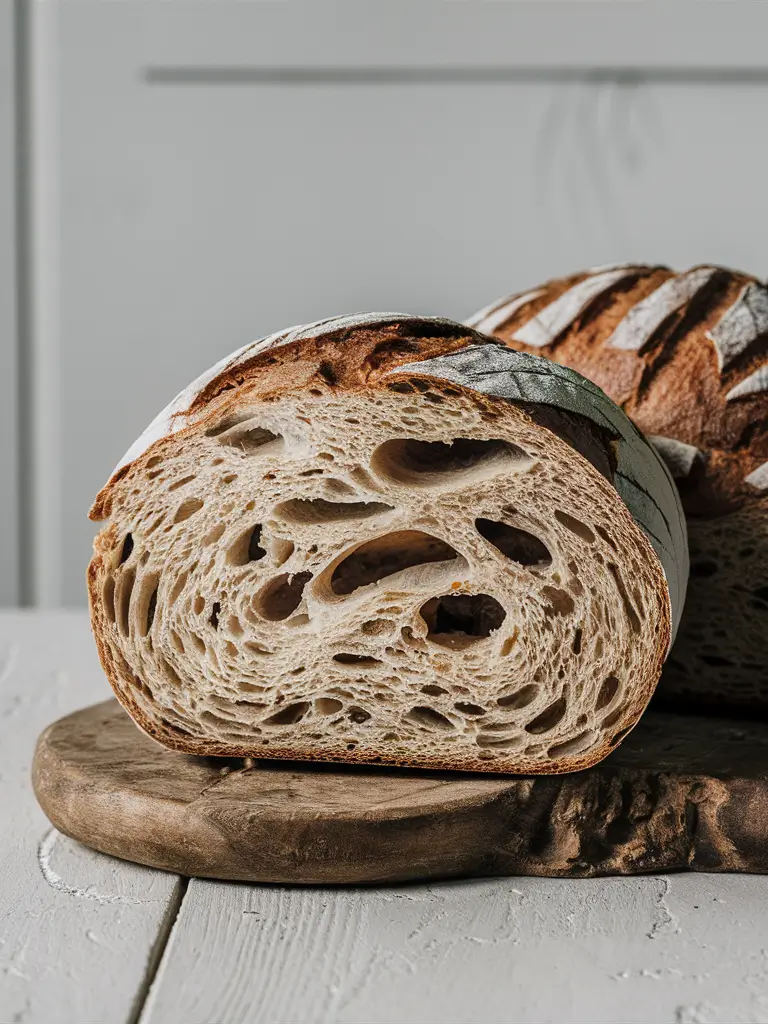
438 562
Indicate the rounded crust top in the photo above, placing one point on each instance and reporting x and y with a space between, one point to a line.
684 353
272 362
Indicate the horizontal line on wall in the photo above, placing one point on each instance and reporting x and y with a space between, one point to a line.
191 75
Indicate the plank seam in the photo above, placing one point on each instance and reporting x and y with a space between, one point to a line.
157 954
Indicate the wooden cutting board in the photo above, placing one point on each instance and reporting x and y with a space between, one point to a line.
680 793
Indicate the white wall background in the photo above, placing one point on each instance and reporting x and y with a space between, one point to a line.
204 173
9 525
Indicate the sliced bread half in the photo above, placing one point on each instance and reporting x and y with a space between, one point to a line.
389 539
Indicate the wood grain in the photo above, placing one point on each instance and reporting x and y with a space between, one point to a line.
680 793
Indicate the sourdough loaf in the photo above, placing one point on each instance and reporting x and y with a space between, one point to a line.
386 538
685 355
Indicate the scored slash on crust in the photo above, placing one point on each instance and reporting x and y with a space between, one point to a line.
685 355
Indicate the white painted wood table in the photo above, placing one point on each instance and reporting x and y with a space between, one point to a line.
85 938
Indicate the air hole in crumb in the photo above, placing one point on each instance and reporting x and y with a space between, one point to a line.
629 608
375 627
520 698
282 596
576 645
319 510
356 659
280 549
108 597
187 508
411 640
227 423
437 464
509 643
215 534
180 483
386 556
572 746
515 544
560 602
250 440
606 536
428 718
170 673
338 486
328 705
608 690
433 690
498 742
154 461
254 648
614 717
215 611
198 605
145 599
456 620
469 709
125 554
495 727
178 586
575 526
123 593
247 547
549 717
289 715
358 715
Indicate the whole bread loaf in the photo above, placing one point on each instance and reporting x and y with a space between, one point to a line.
686 356
386 538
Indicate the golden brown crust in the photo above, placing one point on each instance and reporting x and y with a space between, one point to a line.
673 386
679 385
320 360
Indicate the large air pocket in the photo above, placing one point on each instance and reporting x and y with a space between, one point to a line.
446 466
387 555
458 620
